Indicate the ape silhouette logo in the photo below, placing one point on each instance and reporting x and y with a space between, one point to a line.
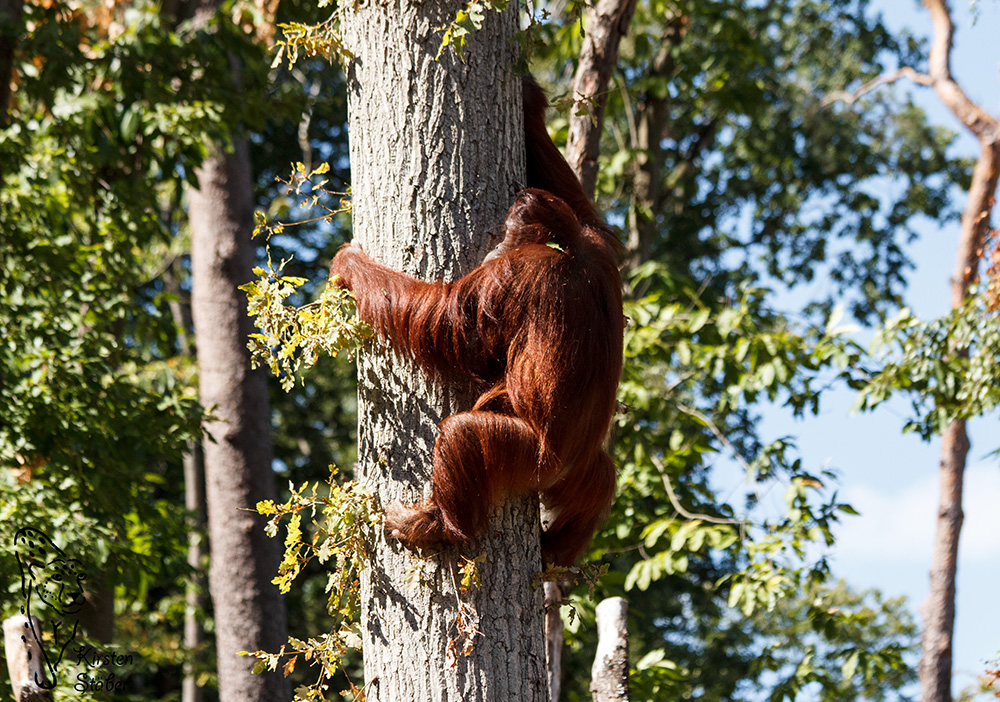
50 576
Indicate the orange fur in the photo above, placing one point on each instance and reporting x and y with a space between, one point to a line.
537 329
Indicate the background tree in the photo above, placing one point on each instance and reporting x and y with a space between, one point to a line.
249 610
947 366
727 184
723 160
97 412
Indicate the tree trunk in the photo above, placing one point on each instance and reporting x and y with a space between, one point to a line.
938 610
25 660
195 602
553 638
436 148
609 676
607 23
249 611
648 197
10 27
194 597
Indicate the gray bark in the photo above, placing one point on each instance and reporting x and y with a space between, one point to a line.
25 663
436 147
609 676
249 611
607 23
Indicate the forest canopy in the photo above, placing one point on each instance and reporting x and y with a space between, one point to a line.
767 193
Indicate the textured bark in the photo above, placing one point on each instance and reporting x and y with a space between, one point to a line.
609 676
938 610
249 611
436 148
607 23
553 639
25 661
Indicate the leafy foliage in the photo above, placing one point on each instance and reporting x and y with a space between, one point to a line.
468 20
97 412
111 112
835 644
295 336
311 40
340 523
947 367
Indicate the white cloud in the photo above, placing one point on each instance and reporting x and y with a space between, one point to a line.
898 527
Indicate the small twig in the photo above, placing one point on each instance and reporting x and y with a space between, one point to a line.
718 435
884 79
679 507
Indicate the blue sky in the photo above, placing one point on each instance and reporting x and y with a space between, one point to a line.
891 478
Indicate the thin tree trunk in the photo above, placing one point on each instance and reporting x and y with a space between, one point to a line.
553 638
249 611
938 611
607 23
609 676
436 148
648 198
10 27
194 597
643 213
195 601
25 660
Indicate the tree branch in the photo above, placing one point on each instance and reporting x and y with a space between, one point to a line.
607 23
675 502
978 121
884 79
